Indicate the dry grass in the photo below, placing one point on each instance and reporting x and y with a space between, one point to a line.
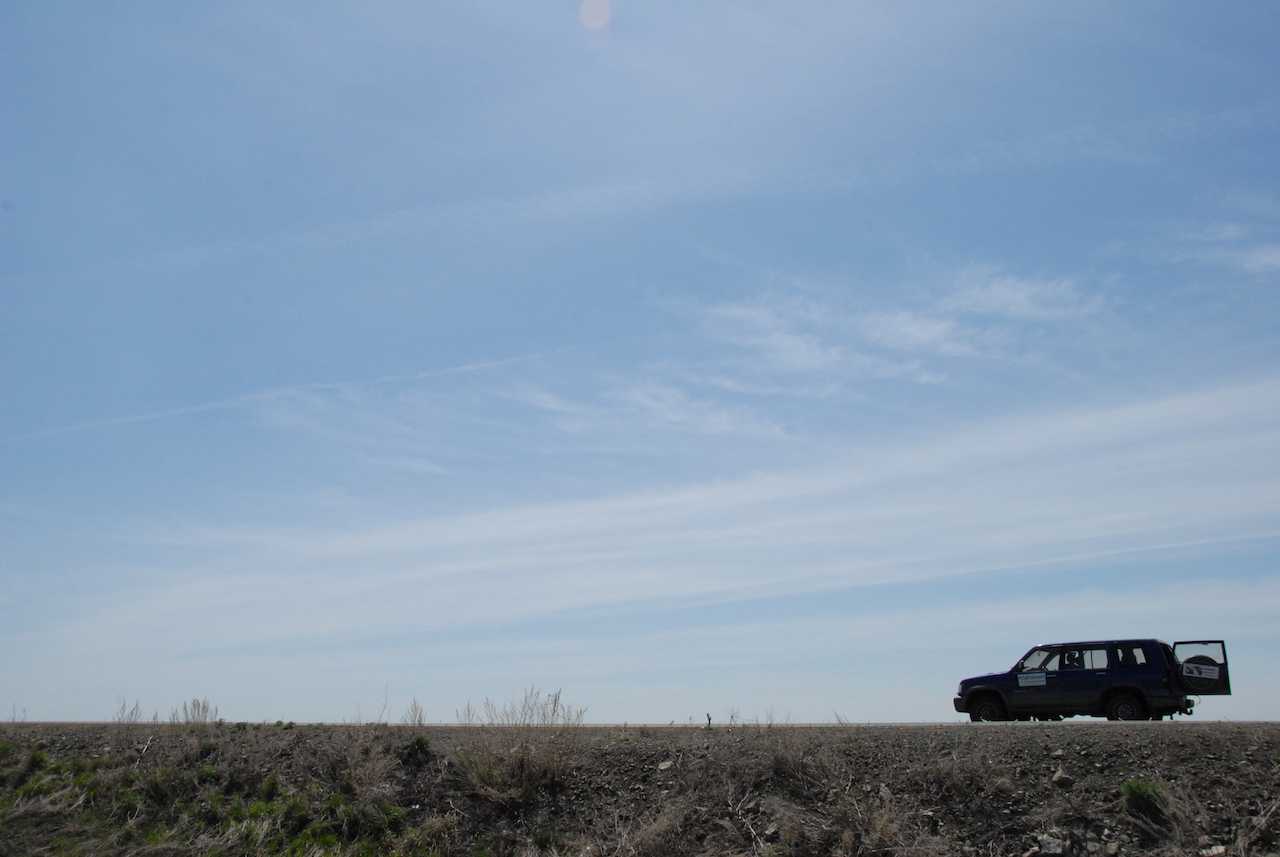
520 748
529 779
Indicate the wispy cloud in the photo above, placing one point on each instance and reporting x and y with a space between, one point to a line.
1262 259
991 292
1248 247
910 331
654 405
1007 494
747 386
781 334
848 336
268 396
666 405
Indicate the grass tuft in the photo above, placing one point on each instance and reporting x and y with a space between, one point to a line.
1146 800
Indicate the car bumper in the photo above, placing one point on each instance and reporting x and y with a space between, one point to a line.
1172 705
958 702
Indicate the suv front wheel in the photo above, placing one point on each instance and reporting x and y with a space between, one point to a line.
986 707
1125 706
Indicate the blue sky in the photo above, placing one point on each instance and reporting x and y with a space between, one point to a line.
688 357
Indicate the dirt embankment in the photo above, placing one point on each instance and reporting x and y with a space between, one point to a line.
989 789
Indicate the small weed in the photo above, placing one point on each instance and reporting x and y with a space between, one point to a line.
1146 800
156 836
270 788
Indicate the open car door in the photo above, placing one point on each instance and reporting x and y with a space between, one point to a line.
1202 666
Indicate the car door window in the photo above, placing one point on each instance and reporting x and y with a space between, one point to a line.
1037 660
1096 659
1072 659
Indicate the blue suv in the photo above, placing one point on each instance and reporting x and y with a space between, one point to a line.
1118 679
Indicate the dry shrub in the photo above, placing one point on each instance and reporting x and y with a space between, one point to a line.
199 712
521 747
127 716
415 715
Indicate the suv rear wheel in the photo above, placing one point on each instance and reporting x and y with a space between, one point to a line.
1126 706
986 707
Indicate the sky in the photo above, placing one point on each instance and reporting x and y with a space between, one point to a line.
774 361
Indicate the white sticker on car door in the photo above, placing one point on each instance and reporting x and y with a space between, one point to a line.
1031 679
1200 671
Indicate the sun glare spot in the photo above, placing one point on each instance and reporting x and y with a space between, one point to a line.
594 14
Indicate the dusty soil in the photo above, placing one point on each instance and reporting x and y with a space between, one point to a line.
1166 787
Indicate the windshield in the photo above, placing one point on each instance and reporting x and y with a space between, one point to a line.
1038 659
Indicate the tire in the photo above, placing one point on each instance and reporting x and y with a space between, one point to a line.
987 707
1126 706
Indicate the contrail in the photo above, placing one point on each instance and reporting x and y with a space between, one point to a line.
266 395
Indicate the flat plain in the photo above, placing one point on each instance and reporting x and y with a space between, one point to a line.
1172 787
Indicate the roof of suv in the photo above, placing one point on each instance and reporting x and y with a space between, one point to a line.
1104 642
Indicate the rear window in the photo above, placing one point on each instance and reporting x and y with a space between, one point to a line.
1131 656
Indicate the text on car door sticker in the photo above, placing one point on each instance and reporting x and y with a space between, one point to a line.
1031 679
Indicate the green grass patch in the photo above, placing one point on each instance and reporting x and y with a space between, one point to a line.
37 786
261 809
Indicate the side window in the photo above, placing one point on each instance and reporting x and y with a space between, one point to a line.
1131 656
1070 659
1037 660
1096 659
